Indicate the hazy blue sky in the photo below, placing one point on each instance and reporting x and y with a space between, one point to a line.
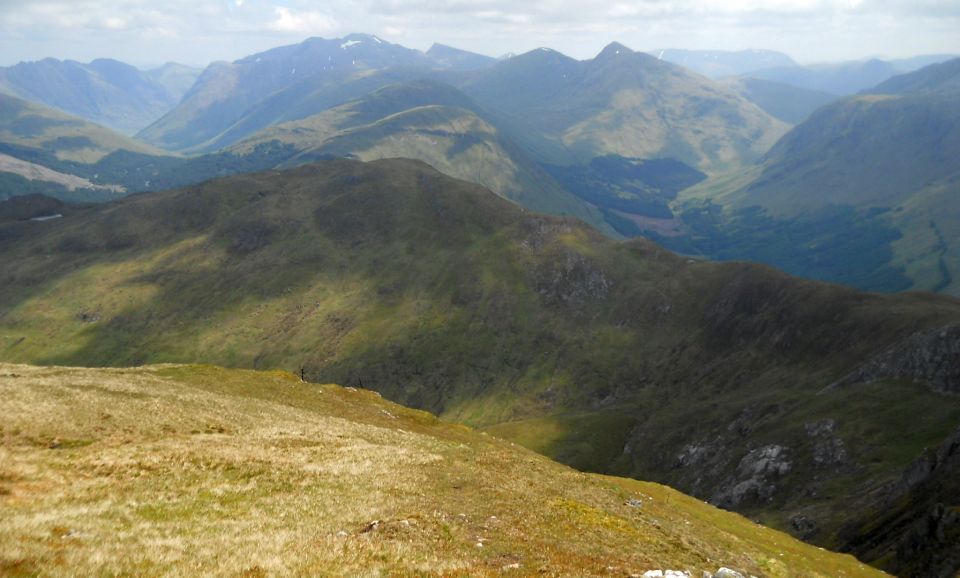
200 31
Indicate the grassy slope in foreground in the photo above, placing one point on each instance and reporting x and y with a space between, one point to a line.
199 470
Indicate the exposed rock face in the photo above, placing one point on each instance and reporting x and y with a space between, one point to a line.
939 530
917 518
572 282
756 477
693 454
567 279
932 358
828 448
929 464
803 526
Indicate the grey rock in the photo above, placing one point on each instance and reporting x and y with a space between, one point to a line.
932 358
932 462
803 526
572 281
692 455
727 573
829 451
756 478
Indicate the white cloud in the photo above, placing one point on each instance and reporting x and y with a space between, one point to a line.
308 22
115 23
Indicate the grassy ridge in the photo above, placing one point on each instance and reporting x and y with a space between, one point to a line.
431 122
167 470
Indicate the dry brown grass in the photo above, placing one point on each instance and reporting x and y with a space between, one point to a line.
195 470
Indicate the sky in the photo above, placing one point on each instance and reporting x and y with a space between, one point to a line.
150 32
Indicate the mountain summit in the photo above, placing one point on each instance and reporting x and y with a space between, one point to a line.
613 49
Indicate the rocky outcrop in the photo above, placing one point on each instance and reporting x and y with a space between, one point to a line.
721 573
802 526
829 450
915 521
932 358
756 479
572 281
934 540
931 464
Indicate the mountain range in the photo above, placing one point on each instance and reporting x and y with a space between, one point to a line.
501 124
784 399
621 102
612 140
866 186
722 63
225 92
845 78
104 91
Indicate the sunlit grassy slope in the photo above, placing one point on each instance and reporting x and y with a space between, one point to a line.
195 470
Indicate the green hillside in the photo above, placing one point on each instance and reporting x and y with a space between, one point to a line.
629 104
105 91
67 137
786 102
172 470
43 150
433 123
614 357
226 93
866 189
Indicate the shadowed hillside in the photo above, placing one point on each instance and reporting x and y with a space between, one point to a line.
866 188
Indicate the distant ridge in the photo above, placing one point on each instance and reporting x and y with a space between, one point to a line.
104 91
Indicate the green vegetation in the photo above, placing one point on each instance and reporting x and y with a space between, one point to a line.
67 138
231 101
172 470
439 294
431 122
881 159
14 185
625 103
791 104
836 243
105 91
634 186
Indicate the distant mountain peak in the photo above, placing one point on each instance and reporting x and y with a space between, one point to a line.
358 37
614 49
452 57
